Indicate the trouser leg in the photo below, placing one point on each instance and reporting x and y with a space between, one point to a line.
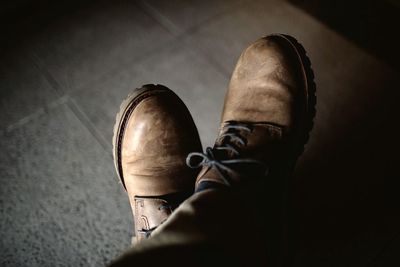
213 227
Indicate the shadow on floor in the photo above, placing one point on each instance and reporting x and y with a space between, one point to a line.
371 24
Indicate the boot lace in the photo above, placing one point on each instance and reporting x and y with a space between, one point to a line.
225 166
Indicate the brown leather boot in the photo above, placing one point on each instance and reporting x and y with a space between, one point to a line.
153 134
266 120
267 116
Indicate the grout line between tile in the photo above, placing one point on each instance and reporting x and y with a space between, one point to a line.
47 75
192 30
83 118
175 29
159 18
72 105
219 67
162 21
212 18
39 112
183 35
59 88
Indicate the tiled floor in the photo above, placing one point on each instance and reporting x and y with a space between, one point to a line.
60 203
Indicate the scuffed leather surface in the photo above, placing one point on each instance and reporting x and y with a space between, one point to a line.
159 135
264 84
156 140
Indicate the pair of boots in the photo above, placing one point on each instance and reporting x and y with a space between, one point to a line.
267 116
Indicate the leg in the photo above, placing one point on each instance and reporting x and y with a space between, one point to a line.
213 227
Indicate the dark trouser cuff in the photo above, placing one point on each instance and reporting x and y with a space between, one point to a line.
209 185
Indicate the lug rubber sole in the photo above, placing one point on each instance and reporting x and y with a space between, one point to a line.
310 90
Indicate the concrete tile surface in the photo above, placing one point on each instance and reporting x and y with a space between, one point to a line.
200 85
223 38
83 46
60 202
179 15
23 89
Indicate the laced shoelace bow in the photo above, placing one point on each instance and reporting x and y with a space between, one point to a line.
225 166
